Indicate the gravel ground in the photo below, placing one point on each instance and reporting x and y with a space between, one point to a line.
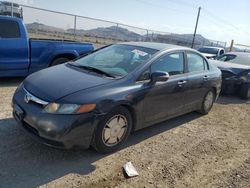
189 151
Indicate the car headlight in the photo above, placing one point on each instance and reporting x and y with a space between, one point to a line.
55 108
248 76
245 76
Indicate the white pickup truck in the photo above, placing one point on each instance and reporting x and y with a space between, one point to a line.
211 52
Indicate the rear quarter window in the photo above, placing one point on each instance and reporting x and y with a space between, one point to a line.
9 29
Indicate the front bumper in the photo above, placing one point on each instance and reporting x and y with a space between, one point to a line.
233 85
62 131
230 86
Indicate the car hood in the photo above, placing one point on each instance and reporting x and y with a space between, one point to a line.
208 55
59 81
232 67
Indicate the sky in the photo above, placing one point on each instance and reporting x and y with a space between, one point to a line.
221 20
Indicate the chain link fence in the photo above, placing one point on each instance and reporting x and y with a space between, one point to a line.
241 47
48 24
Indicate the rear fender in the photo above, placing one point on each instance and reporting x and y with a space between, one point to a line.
63 53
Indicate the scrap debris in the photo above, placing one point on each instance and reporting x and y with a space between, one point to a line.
130 170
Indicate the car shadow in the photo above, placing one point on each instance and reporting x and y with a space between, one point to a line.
25 163
231 99
11 82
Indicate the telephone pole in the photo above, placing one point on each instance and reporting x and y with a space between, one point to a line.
231 46
196 25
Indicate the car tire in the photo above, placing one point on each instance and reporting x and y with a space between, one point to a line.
207 102
59 61
109 136
245 91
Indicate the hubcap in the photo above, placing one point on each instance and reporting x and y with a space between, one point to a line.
114 130
209 100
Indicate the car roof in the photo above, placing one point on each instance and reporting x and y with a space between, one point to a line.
155 45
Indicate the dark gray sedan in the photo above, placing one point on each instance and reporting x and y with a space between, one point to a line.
100 98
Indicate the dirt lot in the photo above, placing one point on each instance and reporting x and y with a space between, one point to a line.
190 151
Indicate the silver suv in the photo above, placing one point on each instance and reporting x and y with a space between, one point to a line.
6 9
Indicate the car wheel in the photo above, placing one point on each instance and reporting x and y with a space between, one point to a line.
113 130
245 91
59 61
207 102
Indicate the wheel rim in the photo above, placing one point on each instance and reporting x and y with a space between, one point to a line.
114 130
209 100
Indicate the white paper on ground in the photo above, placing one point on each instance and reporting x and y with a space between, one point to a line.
130 170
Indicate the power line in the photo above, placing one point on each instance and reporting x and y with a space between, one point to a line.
224 22
186 3
217 23
207 12
223 28
220 19
163 7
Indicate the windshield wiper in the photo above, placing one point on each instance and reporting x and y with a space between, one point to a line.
93 69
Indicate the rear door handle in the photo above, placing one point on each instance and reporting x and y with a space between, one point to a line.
205 78
182 82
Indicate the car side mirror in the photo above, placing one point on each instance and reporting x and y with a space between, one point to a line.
159 77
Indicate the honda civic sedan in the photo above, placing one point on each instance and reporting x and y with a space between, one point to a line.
99 99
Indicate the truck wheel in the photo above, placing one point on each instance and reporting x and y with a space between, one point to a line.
207 103
112 131
245 91
59 61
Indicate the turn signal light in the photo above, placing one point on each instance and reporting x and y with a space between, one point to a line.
86 108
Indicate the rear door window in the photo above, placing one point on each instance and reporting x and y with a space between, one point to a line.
9 29
195 62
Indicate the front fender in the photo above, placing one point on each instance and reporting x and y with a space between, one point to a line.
105 106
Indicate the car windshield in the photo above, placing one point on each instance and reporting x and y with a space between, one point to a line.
209 50
116 60
243 59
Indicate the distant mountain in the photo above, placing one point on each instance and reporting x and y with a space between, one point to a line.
109 32
126 35
38 26
183 39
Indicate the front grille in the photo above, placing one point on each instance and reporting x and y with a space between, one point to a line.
30 129
34 132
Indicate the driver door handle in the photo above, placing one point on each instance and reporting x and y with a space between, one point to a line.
182 82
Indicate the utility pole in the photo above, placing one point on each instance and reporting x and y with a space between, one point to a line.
12 6
196 25
231 46
75 17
